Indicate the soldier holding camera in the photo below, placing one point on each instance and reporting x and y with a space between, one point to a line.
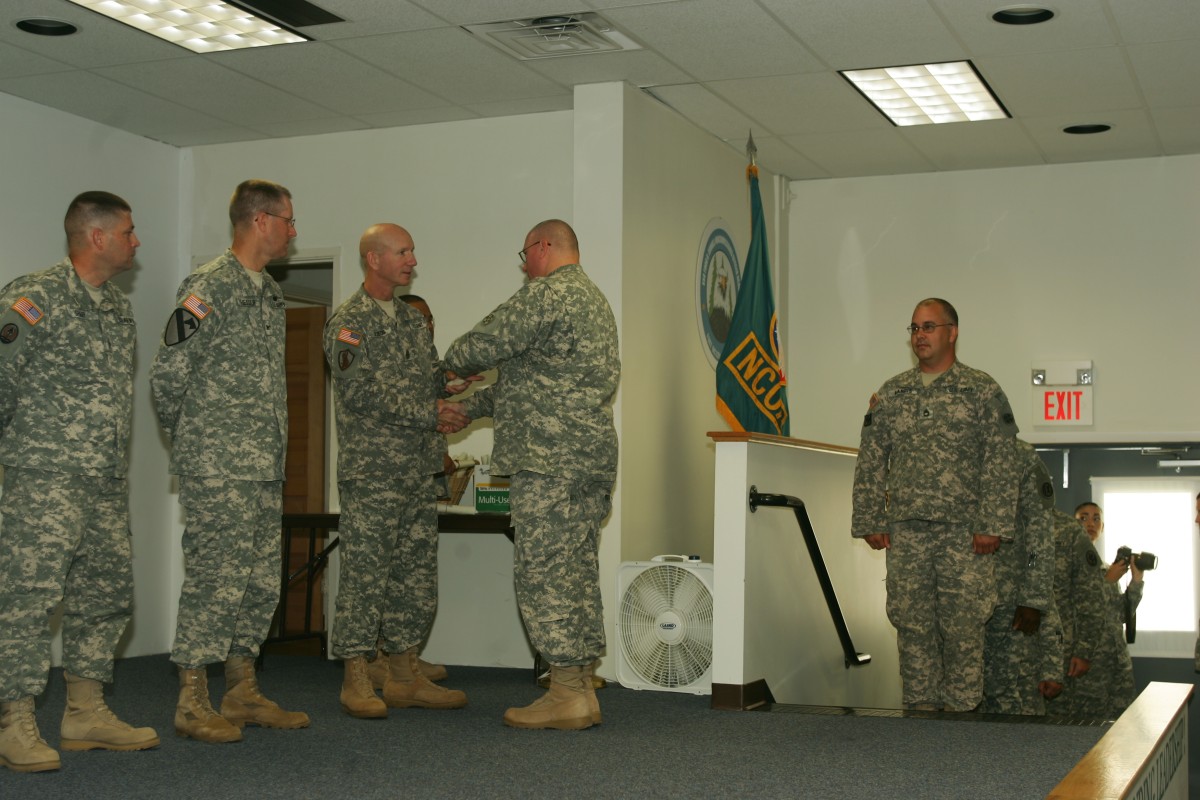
1107 689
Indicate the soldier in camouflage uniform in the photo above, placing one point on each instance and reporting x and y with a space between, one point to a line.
1079 595
933 486
66 391
1015 672
220 393
1106 689
387 390
555 344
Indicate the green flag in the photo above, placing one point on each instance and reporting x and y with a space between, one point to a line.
751 388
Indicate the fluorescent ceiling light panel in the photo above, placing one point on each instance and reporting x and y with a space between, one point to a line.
928 94
202 26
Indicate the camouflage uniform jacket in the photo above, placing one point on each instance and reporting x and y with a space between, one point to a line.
1025 566
555 344
66 375
1079 590
386 380
220 388
940 453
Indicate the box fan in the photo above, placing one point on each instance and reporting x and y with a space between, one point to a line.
664 627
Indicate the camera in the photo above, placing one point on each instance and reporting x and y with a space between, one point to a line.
1143 561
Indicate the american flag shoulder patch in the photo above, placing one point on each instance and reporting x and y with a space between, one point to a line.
197 306
29 310
349 337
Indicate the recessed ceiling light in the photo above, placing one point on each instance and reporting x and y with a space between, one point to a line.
46 27
928 94
1098 127
1023 15
202 26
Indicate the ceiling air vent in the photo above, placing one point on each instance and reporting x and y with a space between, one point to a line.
555 36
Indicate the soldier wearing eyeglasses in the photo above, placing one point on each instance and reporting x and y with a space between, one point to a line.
934 486
221 396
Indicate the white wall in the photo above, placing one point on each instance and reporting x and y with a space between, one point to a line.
1072 262
48 157
677 178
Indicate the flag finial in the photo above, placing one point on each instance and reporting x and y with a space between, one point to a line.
751 150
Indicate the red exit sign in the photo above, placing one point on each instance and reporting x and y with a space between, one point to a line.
1062 405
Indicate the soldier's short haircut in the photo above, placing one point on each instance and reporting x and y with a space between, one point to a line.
253 197
411 298
558 232
947 309
1081 506
90 209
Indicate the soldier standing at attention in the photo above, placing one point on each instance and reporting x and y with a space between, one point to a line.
1018 671
934 487
66 391
555 345
387 389
221 396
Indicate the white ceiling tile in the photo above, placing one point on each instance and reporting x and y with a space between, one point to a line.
16 61
859 153
1168 73
464 12
1178 129
371 18
311 127
215 90
706 110
635 67
849 35
1077 23
716 39
530 105
1156 20
1132 136
808 103
331 78
452 63
981 145
1037 84
422 116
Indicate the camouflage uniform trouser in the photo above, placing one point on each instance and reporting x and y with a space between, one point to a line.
1011 667
1104 691
64 538
556 565
387 587
940 593
231 559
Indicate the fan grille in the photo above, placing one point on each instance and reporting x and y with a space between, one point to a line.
666 626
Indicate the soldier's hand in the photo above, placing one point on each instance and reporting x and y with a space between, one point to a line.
1050 689
1078 666
1115 571
986 544
879 541
451 417
1027 620
457 385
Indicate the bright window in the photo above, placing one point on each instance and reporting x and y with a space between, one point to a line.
1156 515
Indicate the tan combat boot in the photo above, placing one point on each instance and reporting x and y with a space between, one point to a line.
244 704
89 724
22 748
194 714
358 695
380 670
407 687
569 705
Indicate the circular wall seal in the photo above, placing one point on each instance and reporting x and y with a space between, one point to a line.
718 276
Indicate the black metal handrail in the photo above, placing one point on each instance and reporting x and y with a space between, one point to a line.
853 657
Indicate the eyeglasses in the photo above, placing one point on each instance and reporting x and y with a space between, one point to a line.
291 221
535 244
928 327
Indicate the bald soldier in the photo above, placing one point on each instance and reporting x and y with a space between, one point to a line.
66 392
555 345
388 392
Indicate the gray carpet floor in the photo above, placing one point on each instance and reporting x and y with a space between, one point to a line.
652 744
